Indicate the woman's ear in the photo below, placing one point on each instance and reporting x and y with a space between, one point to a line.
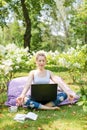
36 63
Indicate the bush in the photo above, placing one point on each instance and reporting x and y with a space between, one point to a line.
14 59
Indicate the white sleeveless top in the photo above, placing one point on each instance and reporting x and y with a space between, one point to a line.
41 80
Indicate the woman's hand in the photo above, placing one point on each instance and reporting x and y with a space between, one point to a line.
20 100
71 98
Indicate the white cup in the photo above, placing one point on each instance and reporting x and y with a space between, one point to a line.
13 109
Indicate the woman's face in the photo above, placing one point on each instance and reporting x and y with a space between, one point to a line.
41 62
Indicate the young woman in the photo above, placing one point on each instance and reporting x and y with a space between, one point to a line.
41 75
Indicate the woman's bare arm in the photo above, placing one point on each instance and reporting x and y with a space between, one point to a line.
28 83
20 99
63 85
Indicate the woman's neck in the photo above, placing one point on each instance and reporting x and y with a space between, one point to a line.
41 70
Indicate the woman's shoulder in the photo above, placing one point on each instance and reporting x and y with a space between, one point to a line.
32 72
49 71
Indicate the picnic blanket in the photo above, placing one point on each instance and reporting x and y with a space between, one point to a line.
15 87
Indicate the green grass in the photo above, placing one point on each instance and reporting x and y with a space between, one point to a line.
70 117
67 118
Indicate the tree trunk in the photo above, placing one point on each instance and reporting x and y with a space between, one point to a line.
27 35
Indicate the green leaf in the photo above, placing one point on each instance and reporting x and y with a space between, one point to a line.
80 103
85 108
84 98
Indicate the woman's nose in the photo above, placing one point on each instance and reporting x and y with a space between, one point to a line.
41 62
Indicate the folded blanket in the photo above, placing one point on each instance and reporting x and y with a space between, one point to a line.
15 88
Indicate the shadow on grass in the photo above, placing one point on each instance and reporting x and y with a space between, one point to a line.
81 83
55 68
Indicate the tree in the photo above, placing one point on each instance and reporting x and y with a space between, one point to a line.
46 22
25 10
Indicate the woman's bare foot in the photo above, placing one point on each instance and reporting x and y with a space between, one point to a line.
48 108
56 108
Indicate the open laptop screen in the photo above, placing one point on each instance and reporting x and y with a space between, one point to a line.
43 93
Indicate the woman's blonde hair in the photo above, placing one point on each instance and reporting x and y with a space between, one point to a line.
40 53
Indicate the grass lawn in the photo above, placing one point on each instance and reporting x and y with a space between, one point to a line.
67 118
70 117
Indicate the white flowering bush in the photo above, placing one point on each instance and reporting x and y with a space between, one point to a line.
52 57
14 59
75 60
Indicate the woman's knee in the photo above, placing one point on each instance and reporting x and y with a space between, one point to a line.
32 104
60 98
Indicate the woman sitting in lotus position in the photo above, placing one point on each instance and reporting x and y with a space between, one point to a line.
40 76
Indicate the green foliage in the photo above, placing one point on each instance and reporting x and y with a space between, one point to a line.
83 94
79 22
68 2
83 98
36 36
34 9
13 33
55 20
3 13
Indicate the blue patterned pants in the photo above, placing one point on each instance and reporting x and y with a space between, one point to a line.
33 104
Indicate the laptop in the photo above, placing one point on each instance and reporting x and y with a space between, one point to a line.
43 93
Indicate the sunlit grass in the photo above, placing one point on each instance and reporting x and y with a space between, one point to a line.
67 118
